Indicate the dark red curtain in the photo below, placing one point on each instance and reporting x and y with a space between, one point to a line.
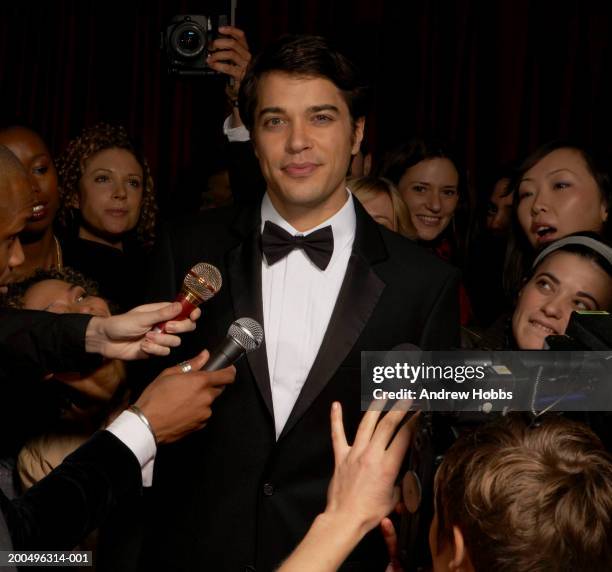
495 77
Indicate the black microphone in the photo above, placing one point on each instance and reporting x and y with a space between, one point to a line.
243 336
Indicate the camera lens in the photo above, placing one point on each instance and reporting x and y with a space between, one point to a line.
188 40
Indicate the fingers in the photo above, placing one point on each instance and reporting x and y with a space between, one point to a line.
231 54
196 363
398 447
235 33
180 327
149 347
195 315
390 537
171 309
233 50
146 316
229 69
367 426
163 339
338 435
386 428
214 379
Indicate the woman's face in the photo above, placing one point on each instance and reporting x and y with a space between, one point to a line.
380 208
110 193
559 196
429 188
31 150
563 282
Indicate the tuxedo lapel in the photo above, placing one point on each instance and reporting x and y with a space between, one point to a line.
244 271
358 296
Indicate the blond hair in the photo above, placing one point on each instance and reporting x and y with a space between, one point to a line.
366 188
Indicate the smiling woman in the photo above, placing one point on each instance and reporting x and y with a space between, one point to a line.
571 274
108 212
431 181
567 280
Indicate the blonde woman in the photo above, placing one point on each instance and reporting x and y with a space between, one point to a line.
380 198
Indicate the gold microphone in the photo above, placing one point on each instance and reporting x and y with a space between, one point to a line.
201 283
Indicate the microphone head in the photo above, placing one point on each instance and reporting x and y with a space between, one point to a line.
247 332
203 281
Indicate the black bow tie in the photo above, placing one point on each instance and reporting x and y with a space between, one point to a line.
276 243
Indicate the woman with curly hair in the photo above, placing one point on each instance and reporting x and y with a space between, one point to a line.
108 213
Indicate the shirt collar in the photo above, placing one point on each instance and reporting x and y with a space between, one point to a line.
343 223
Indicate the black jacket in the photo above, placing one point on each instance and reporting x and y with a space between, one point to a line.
231 496
62 508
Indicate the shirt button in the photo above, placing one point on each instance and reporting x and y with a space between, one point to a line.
268 489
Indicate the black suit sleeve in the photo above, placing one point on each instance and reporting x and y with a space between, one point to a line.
162 276
246 180
74 499
33 343
441 331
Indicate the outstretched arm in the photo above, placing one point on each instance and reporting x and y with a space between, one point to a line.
361 493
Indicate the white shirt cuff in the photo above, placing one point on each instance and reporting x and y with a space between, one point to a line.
235 134
135 435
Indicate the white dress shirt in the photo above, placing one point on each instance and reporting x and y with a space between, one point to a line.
137 437
298 301
235 134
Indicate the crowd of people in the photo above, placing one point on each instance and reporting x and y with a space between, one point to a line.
335 253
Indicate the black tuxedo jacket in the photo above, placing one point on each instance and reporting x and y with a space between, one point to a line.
62 508
31 345
230 497
75 498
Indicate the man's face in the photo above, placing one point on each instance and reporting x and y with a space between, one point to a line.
16 200
304 139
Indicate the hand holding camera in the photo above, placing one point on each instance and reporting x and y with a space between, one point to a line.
230 55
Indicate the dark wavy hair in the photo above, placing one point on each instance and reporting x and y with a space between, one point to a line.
303 56
520 253
70 170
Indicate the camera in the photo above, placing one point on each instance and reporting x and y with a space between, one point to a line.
187 40
569 360
586 330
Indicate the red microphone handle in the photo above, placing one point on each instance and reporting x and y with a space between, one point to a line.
187 306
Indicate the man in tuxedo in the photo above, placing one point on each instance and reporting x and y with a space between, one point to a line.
326 282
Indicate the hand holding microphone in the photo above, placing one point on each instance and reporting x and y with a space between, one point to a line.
243 336
201 283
